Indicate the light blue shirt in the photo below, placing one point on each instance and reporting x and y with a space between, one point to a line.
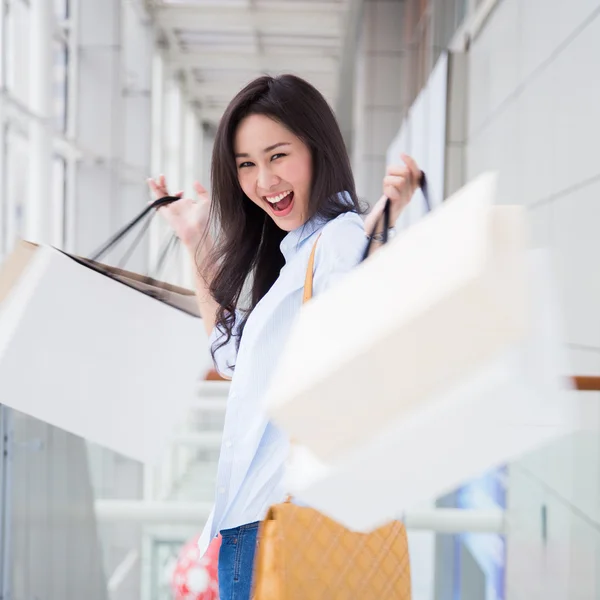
254 451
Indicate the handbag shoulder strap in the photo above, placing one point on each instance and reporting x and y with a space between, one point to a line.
308 279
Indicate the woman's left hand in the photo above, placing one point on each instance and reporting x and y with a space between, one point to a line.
399 185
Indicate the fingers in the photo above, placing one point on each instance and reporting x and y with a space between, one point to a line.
398 171
399 175
199 188
395 180
410 170
152 185
412 166
158 186
398 187
400 183
396 194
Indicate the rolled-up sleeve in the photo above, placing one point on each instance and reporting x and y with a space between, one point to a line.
339 250
225 355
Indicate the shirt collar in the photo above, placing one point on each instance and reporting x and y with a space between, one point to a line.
294 239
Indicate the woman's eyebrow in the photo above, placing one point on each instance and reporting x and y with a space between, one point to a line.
277 145
269 149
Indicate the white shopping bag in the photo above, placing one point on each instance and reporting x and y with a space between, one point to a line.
435 360
100 352
514 403
436 302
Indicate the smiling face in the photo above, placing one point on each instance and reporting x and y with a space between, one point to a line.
274 170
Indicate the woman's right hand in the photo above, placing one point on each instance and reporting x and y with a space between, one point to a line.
187 217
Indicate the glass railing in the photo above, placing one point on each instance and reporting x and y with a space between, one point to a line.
81 521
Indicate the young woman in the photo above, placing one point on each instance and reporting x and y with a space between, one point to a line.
281 179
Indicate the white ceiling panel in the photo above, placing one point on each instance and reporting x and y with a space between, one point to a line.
220 45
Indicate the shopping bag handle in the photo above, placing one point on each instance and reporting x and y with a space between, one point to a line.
117 237
386 215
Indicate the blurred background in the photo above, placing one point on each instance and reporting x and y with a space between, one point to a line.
98 95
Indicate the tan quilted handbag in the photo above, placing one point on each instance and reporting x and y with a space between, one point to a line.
304 555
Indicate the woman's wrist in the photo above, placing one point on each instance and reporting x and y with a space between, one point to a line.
379 234
197 243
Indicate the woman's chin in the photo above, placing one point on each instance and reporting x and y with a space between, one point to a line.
288 220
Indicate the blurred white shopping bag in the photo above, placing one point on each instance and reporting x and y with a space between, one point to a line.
103 353
433 361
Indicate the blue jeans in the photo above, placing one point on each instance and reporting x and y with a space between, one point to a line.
236 562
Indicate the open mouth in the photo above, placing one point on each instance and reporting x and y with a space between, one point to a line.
281 204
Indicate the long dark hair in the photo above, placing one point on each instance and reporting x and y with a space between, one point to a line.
248 242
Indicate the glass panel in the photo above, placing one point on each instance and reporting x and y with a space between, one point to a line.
52 546
481 557
61 9
59 196
60 84
3 191
17 170
139 556
66 495
17 49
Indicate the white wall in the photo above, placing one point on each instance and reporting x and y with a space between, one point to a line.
423 136
534 114
379 101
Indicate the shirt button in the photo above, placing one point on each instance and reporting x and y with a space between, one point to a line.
221 490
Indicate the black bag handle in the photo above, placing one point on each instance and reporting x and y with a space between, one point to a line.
386 216
159 290
171 245
117 237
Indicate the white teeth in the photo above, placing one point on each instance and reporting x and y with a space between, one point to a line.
276 199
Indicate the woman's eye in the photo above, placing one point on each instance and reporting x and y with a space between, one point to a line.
276 156
244 164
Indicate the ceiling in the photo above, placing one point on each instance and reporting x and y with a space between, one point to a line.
220 45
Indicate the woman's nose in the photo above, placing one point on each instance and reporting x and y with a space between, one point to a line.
266 179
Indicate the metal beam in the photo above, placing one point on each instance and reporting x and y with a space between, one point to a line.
238 61
282 5
442 520
243 20
456 520
139 511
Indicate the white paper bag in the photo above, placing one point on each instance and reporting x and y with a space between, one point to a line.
437 359
424 311
514 403
82 348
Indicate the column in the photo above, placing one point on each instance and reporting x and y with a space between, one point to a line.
3 215
38 225
379 93
136 99
99 122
